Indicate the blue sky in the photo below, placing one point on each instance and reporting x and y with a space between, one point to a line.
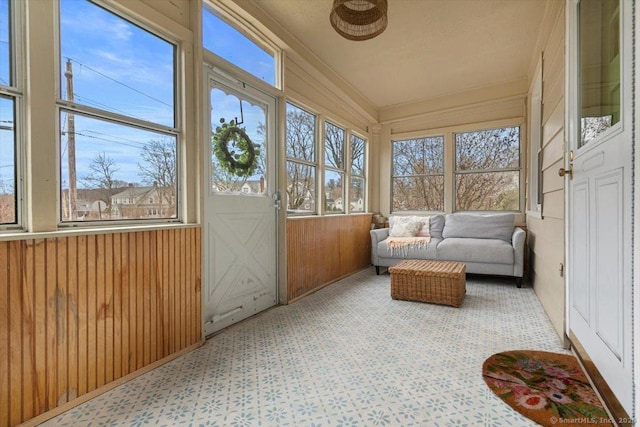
119 67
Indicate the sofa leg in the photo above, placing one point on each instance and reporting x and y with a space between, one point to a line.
519 282
377 270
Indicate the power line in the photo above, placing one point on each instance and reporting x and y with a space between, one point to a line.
120 83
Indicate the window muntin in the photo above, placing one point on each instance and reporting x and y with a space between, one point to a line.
227 42
334 168
487 170
357 182
418 174
120 133
599 62
122 172
114 65
301 161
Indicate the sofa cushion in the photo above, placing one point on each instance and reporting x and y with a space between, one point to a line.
436 226
434 229
409 252
496 226
492 251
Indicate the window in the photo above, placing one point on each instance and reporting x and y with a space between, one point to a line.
334 171
418 174
599 59
118 130
357 182
9 119
301 161
233 46
487 170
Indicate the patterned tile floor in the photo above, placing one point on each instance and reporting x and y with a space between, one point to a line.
347 355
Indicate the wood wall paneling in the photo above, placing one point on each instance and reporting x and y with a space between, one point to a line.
320 250
77 313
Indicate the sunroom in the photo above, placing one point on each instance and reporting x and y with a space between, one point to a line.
171 169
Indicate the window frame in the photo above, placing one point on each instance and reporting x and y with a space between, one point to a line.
320 134
314 164
449 160
341 171
15 92
351 175
518 169
231 17
65 106
443 174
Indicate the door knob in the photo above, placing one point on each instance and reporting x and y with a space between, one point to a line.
563 172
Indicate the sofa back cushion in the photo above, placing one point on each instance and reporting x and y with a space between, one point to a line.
494 226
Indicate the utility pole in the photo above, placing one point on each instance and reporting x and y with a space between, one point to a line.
71 145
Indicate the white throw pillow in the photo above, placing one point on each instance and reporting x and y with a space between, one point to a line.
405 228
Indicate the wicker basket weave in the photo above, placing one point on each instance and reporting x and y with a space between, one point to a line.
438 282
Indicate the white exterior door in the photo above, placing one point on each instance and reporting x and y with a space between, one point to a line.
240 214
599 195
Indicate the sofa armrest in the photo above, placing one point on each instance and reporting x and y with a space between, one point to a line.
517 240
377 236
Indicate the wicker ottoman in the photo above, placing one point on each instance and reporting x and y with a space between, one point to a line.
438 282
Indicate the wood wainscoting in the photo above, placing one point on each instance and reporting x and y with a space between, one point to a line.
77 313
323 249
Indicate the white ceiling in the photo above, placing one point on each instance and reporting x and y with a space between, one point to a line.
430 47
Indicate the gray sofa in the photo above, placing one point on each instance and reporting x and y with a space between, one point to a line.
487 244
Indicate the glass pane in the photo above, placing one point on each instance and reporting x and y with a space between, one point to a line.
301 134
230 44
421 156
5 44
599 67
120 172
358 147
110 64
496 191
238 151
7 162
488 149
301 188
356 194
333 192
333 146
420 193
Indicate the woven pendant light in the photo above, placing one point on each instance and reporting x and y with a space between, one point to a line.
359 19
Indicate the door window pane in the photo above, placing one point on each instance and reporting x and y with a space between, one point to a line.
599 53
110 64
238 145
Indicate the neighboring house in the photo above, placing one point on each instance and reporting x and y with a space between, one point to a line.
143 202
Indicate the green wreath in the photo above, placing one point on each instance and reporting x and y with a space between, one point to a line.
242 163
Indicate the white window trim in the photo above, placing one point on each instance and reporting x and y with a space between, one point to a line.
534 205
63 105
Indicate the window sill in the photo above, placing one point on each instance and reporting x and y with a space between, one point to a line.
77 231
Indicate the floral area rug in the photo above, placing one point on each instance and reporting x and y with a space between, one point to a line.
549 388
